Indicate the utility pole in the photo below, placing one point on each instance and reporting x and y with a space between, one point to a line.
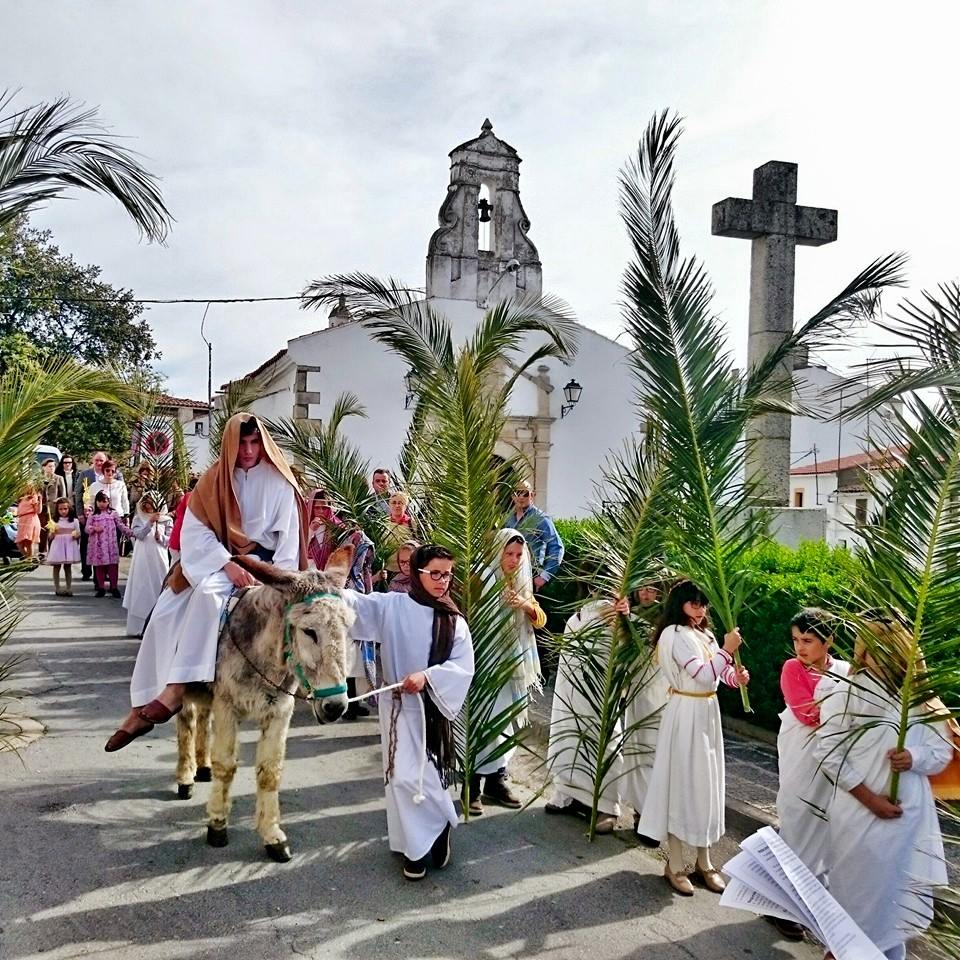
209 373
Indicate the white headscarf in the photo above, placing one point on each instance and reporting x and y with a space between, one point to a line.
521 582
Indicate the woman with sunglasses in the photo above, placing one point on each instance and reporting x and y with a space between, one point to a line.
685 794
425 645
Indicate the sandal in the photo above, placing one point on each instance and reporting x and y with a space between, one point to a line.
157 712
124 737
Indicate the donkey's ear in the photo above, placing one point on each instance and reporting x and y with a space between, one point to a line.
338 566
264 572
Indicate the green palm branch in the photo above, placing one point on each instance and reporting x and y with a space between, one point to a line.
450 461
608 665
688 387
49 147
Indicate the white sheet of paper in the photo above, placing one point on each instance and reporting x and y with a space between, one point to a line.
741 896
840 932
751 872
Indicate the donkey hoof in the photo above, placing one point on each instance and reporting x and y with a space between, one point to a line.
184 791
202 775
217 836
280 852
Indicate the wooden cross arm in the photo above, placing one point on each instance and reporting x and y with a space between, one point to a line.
748 219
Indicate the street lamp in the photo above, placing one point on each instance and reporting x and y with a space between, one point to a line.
571 393
411 382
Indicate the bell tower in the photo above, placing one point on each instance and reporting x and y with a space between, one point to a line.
481 251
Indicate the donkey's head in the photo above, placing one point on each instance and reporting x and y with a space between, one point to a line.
316 629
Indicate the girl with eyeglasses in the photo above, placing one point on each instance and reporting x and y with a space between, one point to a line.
425 645
685 796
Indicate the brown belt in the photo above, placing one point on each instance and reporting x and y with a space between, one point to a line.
690 693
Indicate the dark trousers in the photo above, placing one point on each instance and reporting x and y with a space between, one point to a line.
109 571
85 568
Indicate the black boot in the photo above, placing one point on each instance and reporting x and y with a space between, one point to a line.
496 789
358 708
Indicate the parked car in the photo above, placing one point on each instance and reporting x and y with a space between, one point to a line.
45 452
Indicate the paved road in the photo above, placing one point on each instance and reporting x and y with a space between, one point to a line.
100 860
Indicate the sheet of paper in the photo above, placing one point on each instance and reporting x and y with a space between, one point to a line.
751 872
842 935
740 896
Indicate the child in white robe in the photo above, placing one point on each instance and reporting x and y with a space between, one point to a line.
804 792
150 563
884 858
685 799
426 645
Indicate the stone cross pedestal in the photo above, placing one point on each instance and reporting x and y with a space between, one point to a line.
775 224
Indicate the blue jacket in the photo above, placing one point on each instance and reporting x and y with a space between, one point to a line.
540 532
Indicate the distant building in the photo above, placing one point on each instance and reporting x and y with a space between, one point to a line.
839 486
192 415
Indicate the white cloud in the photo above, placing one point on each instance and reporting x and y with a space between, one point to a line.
299 139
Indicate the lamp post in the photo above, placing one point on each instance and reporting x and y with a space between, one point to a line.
571 393
411 382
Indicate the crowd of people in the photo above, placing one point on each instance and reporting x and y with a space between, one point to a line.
835 760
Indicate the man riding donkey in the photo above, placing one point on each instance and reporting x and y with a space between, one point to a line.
248 502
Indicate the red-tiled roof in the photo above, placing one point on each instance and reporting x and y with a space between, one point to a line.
873 459
165 400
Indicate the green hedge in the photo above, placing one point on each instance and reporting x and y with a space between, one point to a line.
785 581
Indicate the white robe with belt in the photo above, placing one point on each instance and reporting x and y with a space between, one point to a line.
568 755
686 789
404 630
147 569
881 871
180 642
640 747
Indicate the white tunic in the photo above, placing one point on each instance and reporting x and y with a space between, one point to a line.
804 795
640 747
147 569
570 758
881 871
180 642
686 790
404 630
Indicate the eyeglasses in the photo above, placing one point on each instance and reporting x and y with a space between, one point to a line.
438 576
521 493
403 563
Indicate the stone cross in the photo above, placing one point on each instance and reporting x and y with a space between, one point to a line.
775 224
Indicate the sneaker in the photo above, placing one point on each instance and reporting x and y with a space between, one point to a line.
441 849
497 790
414 869
101 593
115 593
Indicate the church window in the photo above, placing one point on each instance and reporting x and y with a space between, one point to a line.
485 219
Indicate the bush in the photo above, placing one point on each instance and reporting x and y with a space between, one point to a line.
784 581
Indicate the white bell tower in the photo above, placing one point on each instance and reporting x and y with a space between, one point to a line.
481 251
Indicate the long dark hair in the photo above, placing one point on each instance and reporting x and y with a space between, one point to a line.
72 515
440 743
686 591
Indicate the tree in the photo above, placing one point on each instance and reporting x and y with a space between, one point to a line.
52 307
49 147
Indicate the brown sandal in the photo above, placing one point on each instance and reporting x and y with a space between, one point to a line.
157 712
124 737
678 881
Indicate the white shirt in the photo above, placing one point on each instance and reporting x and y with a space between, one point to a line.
116 491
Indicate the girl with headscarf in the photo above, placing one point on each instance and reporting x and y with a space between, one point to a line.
322 533
150 563
425 645
401 582
248 502
514 571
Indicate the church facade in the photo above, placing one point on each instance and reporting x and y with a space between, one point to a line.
480 253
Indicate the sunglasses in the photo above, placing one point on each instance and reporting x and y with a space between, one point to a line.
438 576
521 493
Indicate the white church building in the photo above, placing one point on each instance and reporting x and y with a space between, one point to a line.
482 253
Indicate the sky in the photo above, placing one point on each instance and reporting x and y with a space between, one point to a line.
295 140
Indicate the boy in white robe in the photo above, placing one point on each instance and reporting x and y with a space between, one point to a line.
884 858
426 645
247 502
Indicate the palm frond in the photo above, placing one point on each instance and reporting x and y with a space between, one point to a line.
49 147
